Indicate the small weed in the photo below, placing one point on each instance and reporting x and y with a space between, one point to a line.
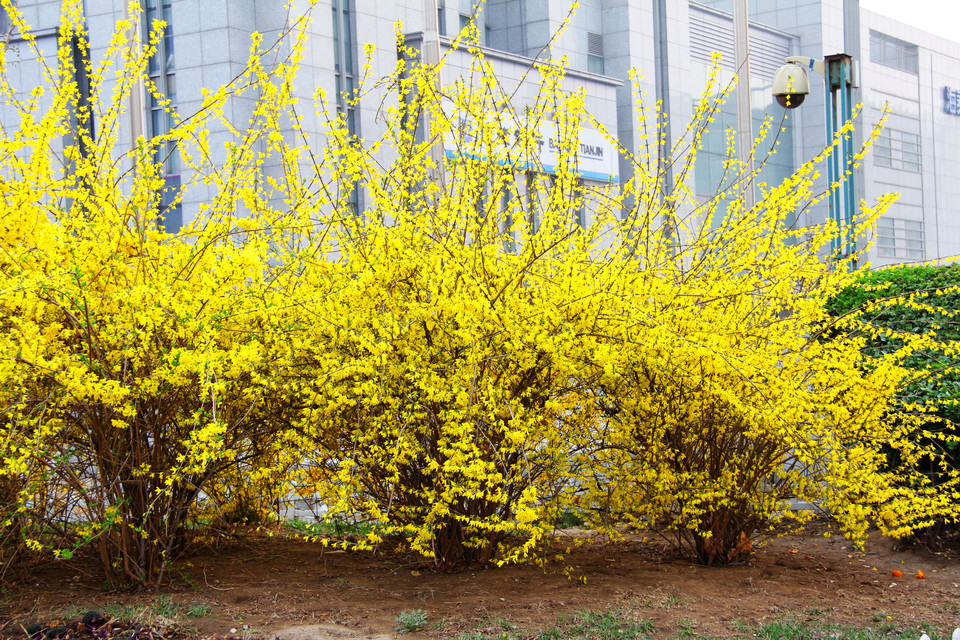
73 612
185 577
815 613
502 623
165 607
496 628
686 628
660 600
670 601
409 621
199 610
609 625
123 612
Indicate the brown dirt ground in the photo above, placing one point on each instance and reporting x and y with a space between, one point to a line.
263 587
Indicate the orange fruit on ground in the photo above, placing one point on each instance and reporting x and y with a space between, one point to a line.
897 574
920 575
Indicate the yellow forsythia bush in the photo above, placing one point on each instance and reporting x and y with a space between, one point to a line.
448 350
135 369
454 364
722 397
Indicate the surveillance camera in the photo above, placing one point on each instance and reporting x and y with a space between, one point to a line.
790 85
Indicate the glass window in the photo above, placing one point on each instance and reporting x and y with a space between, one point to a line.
162 101
893 52
595 64
345 78
595 53
344 73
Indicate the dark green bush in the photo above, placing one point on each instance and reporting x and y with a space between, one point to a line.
894 304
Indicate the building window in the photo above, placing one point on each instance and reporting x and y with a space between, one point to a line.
162 102
595 53
464 21
345 75
899 238
893 52
343 61
441 17
898 150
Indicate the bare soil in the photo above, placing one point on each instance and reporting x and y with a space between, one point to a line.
280 587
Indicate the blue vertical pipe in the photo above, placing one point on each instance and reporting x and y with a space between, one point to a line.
849 195
833 163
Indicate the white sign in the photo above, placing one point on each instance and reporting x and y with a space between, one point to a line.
596 157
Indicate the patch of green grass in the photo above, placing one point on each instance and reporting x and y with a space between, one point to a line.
586 625
480 635
805 630
600 625
497 627
165 607
327 528
199 610
686 628
124 611
73 612
410 621
620 625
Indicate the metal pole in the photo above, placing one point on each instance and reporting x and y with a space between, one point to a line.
838 75
741 39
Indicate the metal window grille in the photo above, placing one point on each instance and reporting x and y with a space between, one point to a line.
898 150
900 238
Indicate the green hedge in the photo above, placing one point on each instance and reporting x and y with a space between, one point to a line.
915 300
